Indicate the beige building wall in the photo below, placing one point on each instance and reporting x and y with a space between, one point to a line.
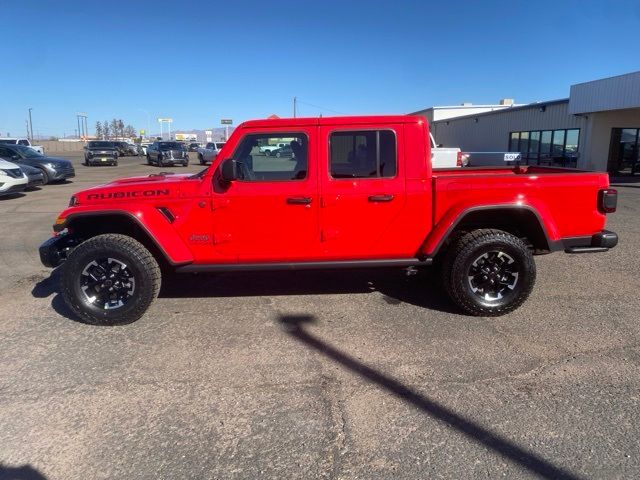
595 151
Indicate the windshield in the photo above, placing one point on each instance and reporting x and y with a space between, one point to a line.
8 141
28 152
219 145
100 144
170 146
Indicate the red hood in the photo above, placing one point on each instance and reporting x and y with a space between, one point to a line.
138 189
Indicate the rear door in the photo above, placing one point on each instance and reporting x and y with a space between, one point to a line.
271 214
362 191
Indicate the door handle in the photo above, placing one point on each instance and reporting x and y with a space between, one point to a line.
380 198
299 200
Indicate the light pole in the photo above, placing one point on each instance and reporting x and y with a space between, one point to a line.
82 124
30 125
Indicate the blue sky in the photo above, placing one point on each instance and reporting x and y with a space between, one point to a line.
198 62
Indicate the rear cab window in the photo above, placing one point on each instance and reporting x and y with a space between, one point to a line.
363 154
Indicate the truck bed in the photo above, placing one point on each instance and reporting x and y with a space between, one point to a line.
565 199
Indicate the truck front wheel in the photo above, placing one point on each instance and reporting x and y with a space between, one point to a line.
488 272
110 279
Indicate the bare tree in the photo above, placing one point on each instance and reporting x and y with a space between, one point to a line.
121 127
99 131
106 130
114 128
129 131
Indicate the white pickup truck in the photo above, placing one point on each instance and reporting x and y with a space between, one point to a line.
269 149
210 151
22 141
442 157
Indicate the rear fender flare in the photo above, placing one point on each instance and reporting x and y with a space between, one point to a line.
446 226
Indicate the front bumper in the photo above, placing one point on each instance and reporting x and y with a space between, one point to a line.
62 174
35 181
102 160
600 242
55 250
13 189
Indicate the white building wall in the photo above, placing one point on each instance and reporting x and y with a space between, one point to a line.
491 131
621 92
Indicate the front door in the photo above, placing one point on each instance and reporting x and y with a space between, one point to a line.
362 190
271 213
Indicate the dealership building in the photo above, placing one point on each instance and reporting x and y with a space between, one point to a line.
596 128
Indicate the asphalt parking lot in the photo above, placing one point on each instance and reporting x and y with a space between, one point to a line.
319 375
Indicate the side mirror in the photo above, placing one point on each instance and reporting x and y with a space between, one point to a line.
15 157
229 170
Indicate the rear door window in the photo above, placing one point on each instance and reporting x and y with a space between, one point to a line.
363 154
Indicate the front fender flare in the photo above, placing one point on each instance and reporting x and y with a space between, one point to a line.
151 222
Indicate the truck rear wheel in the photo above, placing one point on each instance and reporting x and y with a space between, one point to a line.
488 272
110 279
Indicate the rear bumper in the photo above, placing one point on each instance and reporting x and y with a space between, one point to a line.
600 242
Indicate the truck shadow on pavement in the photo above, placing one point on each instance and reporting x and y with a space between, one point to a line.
422 290
294 325
25 472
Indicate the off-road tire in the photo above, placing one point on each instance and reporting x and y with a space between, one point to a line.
201 159
138 259
458 263
148 159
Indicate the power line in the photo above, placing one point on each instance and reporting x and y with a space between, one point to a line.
318 106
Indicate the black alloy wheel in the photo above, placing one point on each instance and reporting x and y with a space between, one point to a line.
488 272
110 279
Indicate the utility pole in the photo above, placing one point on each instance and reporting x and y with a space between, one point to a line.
30 125
27 124
295 104
78 130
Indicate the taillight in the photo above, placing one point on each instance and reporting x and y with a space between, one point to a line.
608 200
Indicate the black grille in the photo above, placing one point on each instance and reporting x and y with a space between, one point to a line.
14 172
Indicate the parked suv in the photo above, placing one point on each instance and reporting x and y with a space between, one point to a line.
12 178
53 169
167 153
100 153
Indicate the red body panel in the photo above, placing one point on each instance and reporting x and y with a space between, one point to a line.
252 222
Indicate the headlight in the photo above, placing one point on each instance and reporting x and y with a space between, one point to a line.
50 165
73 201
89 154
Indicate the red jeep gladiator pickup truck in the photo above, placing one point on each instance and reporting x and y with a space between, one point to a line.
348 192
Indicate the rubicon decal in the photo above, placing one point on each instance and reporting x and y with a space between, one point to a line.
132 194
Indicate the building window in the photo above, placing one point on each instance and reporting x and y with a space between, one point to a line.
550 147
363 154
